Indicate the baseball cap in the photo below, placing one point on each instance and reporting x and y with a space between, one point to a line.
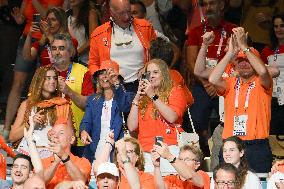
108 167
242 54
106 64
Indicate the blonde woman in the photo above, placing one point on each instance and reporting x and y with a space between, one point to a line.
157 110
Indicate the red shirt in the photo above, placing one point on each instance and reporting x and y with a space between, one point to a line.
195 37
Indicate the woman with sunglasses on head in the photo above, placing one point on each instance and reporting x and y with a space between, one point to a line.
157 110
82 21
234 153
44 99
273 55
104 109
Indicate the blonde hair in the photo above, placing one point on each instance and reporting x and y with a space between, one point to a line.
138 151
164 89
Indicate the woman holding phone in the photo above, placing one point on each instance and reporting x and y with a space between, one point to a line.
157 110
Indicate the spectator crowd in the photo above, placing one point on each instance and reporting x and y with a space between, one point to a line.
138 92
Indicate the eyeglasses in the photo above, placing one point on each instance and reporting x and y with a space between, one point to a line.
188 159
230 184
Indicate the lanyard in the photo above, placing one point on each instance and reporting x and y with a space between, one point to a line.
69 71
237 93
223 35
276 52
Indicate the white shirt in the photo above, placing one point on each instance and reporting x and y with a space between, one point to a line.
276 177
105 126
127 51
78 33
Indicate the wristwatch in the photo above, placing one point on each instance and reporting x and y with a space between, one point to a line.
155 97
173 160
246 50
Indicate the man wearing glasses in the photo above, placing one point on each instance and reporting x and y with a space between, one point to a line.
225 176
186 164
125 40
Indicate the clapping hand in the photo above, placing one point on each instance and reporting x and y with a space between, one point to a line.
208 38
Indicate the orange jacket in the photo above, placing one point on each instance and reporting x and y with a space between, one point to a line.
100 42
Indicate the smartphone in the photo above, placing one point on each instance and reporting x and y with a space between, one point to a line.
157 139
36 18
145 76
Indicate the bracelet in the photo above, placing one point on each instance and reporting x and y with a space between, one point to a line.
246 50
107 142
173 160
65 160
134 103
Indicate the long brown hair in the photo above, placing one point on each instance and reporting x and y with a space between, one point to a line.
163 90
35 93
61 16
243 167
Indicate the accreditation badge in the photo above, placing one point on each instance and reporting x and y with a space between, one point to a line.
211 62
240 125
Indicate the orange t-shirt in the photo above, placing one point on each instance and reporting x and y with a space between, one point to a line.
61 173
174 181
179 81
258 110
146 181
150 127
29 10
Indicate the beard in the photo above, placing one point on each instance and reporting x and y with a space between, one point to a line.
57 60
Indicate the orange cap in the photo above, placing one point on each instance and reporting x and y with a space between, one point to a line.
107 64
242 54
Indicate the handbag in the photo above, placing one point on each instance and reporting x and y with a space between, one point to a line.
184 138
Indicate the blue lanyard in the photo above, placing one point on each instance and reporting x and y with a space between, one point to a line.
276 52
69 71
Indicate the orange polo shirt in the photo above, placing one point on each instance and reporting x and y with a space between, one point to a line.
146 181
174 181
149 127
61 173
258 111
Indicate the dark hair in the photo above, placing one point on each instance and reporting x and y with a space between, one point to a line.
273 38
161 49
83 17
243 167
226 167
26 157
140 3
61 16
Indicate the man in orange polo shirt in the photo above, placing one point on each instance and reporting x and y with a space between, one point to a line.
63 165
247 101
186 164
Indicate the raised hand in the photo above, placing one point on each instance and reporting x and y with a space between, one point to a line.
113 76
241 37
155 158
208 38
163 150
39 118
148 88
17 15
